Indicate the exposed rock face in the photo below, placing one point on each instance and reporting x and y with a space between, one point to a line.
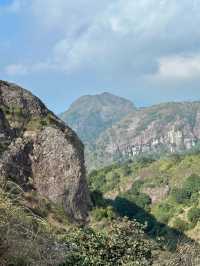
164 128
168 128
40 153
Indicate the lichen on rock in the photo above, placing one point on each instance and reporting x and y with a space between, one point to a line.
41 147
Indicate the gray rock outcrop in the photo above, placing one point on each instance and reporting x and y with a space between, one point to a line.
37 146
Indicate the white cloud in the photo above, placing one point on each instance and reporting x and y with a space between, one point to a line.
119 37
66 17
24 69
133 34
179 67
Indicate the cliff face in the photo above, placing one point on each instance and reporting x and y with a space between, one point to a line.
169 128
124 131
40 153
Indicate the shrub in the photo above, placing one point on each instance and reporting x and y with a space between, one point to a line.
136 187
194 215
187 254
124 244
192 184
26 239
97 199
126 170
104 213
181 195
181 225
164 212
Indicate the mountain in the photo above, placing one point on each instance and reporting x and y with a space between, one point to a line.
40 153
43 189
112 129
160 129
44 194
91 115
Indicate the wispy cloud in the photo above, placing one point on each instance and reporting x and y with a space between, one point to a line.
127 38
25 69
16 69
179 67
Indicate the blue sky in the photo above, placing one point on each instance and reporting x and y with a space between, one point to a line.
146 50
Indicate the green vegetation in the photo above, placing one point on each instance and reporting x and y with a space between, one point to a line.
123 244
151 235
27 239
165 190
194 215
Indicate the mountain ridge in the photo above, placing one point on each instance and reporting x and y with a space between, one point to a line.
92 114
137 130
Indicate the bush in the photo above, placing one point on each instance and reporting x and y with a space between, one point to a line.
26 239
181 195
164 212
187 254
124 244
181 225
192 184
126 170
104 213
97 199
194 215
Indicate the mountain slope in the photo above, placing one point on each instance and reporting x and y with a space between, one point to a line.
90 115
164 128
168 189
112 129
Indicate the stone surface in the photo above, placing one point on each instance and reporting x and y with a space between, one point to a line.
41 153
166 128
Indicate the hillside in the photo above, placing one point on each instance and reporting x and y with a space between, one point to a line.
164 128
167 189
49 215
160 129
44 197
91 115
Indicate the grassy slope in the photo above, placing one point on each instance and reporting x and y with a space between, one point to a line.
136 181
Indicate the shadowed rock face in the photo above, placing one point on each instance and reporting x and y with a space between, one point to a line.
37 146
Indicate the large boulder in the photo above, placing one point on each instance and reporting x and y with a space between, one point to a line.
38 146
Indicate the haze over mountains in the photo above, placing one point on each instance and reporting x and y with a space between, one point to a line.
113 129
91 115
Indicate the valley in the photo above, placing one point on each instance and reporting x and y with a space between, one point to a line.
137 203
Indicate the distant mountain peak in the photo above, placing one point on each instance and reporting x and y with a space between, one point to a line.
113 129
90 115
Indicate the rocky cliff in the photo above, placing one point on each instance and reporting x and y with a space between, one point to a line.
40 153
164 128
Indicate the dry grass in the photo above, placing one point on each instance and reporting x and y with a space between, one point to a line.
26 239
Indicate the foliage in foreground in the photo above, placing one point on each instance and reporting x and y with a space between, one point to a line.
123 244
26 239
